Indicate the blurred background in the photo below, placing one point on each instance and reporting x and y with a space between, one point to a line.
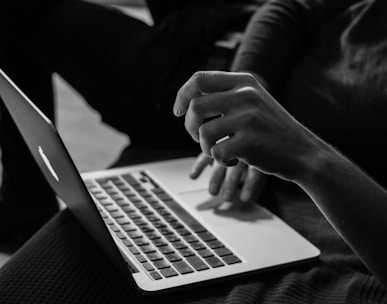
91 144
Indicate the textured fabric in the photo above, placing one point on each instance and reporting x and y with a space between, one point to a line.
326 62
62 265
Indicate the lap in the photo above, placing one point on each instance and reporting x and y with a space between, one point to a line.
61 264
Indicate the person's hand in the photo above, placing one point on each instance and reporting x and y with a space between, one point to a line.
242 179
233 117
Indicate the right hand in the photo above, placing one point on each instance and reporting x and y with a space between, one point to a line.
256 128
241 180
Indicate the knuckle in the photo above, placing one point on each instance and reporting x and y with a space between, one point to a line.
249 79
198 78
195 106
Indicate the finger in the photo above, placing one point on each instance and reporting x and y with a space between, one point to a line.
215 131
253 185
201 162
216 180
232 181
201 83
207 106
227 151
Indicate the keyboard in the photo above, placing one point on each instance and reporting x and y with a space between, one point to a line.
160 234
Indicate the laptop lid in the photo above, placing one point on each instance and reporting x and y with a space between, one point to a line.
57 166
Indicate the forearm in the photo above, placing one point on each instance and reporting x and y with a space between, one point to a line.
278 32
353 203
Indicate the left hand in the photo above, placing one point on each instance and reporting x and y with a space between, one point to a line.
242 180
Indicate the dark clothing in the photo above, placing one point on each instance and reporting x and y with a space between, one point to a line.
326 62
126 70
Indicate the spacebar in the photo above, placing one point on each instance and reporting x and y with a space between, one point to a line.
187 218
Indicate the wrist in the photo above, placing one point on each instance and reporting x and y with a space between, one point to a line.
316 164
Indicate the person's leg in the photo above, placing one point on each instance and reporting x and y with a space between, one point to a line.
26 200
129 72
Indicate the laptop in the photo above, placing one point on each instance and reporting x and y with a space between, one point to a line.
162 230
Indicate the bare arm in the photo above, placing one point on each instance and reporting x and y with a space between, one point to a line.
264 135
353 203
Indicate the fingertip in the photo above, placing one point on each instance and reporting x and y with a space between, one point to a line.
246 196
228 194
177 111
213 189
194 174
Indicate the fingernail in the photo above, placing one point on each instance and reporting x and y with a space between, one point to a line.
176 110
213 189
193 174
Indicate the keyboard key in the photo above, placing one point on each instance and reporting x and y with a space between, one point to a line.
152 217
186 252
150 200
164 197
123 221
109 221
134 234
231 259
129 227
222 251
148 266
128 209
206 236
140 205
161 264
106 202
197 245
155 275
127 243
141 241
183 231
116 214
121 235
164 213
172 238
182 267
134 199
173 257
165 231
170 219
141 258
154 256
168 272
190 238
179 245
166 249
144 193
159 242
214 262
152 235
159 225
205 253
134 215
215 244
139 222
197 263
115 228
134 250
111 208
148 249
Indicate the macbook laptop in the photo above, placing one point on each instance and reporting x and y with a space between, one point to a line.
162 230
